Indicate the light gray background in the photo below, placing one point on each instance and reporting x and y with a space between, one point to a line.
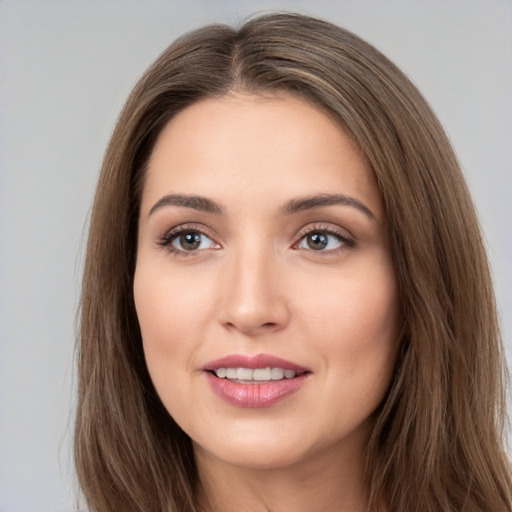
66 68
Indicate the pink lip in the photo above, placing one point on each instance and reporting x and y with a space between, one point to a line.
252 362
254 395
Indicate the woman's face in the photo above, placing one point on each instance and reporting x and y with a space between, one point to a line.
264 284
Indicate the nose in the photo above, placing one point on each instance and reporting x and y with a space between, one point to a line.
254 298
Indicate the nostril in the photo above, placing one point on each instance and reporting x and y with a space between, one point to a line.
266 325
251 316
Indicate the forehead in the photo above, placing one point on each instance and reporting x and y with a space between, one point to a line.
254 147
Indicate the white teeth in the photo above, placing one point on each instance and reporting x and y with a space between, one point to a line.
258 374
261 374
221 372
244 374
231 373
277 373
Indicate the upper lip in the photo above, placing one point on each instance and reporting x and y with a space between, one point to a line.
253 362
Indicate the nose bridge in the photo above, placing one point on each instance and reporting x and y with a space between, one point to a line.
253 301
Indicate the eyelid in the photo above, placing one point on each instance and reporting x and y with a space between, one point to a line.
342 234
165 240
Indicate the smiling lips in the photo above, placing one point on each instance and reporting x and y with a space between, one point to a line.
254 382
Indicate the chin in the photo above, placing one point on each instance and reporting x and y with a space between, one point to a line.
243 454
274 449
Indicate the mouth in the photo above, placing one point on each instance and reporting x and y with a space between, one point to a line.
256 375
254 382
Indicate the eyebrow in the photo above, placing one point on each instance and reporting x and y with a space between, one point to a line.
318 201
200 203
300 204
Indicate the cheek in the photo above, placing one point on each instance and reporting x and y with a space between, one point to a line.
361 306
165 321
355 321
167 303
158 307
174 309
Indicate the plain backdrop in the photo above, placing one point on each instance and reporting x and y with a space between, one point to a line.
66 68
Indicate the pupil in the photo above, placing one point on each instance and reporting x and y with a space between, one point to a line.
190 241
317 241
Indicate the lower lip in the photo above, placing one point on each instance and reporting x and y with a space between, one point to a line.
255 395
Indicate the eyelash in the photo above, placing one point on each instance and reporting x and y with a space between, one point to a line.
168 238
343 236
346 240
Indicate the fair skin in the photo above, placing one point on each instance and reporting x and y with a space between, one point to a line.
234 263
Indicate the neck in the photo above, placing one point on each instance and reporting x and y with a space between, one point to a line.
323 482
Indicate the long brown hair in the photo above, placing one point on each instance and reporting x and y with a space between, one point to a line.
437 442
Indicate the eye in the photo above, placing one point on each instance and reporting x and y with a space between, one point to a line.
183 240
324 239
318 241
192 241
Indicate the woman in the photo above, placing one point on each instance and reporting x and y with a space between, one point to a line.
286 302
